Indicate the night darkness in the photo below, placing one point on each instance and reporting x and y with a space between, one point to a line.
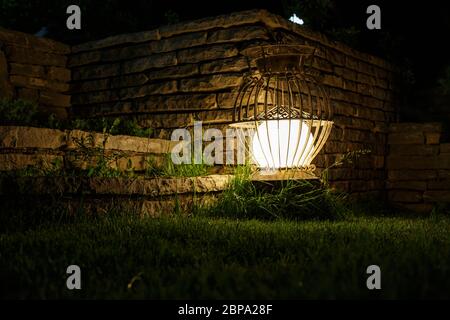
413 36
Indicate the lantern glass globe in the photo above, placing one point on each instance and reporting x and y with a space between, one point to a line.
282 144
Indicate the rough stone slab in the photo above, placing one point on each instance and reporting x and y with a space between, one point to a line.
90 85
238 34
184 119
402 174
445 147
148 188
150 89
140 50
96 72
29 137
27 70
415 127
419 162
29 41
406 196
52 139
152 104
437 196
212 52
13 161
175 72
39 83
439 185
410 137
28 94
413 149
54 99
444 174
214 82
432 137
120 142
118 69
223 21
407 185
416 207
225 100
29 56
6 90
224 65
118 40
58 73
151 62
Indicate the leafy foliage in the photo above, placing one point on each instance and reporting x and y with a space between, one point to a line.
23 112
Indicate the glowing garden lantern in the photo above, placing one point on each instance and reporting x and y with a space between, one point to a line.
283 106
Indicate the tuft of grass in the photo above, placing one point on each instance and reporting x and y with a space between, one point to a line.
290 199
169 169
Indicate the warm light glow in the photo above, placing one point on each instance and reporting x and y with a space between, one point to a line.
282 144
296 19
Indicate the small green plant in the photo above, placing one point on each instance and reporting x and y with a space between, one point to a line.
97 156
444 81
290 199
169 169
349 157
18 111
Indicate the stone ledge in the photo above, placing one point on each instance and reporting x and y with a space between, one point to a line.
154 187
44 138
415 127
29 41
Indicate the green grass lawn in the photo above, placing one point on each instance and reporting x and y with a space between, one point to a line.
185 258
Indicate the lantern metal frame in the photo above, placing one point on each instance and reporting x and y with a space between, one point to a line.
283 86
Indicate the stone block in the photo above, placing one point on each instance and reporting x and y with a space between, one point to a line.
419 162
444 174
445 148
416 207
437 196
149 89
237 34
407 185
30 137
17 161
213 52
27 70
405 196
27 82
28 94
402 174
345 73
59 74
224 65
150 62
415 127
432 137
54 99
182 71
118 40
411 137
214 82
30 56
413 149
439 185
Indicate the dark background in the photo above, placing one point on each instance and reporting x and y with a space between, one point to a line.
414 36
